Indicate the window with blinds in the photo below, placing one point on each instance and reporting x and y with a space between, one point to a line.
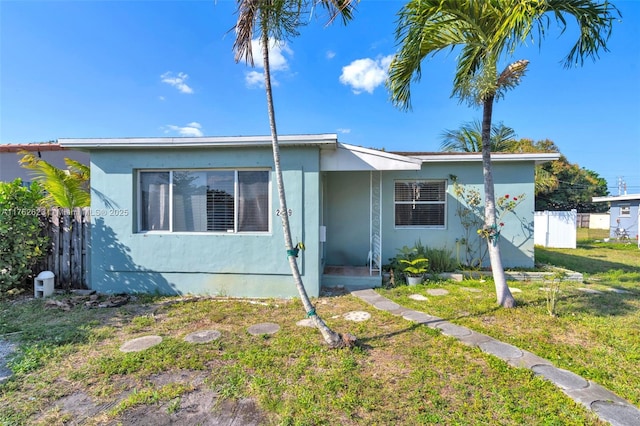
420 203
227 201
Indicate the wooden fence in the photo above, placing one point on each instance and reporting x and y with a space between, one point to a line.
68 232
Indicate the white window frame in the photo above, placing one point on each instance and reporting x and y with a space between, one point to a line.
625 210
139 207
444 203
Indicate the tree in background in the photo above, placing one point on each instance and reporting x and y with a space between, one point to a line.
468 138
274 21
63 188
21 242
576 187
486 33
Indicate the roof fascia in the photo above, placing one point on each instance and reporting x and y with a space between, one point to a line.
321 140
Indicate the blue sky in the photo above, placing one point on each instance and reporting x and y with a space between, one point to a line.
163 68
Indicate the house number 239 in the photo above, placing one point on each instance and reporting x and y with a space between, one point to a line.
279 212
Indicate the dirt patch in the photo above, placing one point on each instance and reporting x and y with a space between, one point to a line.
198 407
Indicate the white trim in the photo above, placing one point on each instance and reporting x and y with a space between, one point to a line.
541 157
330 139
628 197
355 158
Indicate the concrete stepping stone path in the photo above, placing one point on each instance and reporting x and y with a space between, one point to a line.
604 403
140 344
203 336
418 297
437 292
357 316
263 328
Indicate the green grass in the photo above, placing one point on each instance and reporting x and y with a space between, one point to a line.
594 335
400 373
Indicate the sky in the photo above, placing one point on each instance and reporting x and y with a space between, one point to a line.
98 69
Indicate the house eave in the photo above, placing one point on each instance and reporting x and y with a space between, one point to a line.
322 140
355 158
537 158
626 197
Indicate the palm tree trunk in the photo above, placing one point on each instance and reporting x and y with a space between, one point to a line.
333 339
503 295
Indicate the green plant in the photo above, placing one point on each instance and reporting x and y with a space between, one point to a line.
553 290
22 244
415 267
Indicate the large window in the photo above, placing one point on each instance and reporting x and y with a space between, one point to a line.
420 203
204 201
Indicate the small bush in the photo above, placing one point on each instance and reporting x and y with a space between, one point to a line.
21 242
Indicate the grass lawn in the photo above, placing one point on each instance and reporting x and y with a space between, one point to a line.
595 335
69 368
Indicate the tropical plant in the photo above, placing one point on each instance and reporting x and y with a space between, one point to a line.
486 33
415 267
279 20
63 188
468 138
22 244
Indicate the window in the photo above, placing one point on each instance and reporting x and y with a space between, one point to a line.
625 209
420 203
204 201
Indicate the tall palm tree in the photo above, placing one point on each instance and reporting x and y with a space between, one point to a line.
278 20
468 138
67 188
486 32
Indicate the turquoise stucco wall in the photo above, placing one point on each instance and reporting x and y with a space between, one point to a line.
201 263
348 212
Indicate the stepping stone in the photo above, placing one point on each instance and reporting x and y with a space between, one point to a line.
418 297
589 290
618 290
500 349
472 290
357 316
307 322
386 305
263 328
562 378
204 336
515 290
140 344
437 292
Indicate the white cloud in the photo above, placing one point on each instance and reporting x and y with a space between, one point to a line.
254 79
344 131
366 74
277 50
193 129
330 54
177 81
161 98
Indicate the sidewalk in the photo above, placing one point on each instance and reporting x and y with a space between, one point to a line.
605 404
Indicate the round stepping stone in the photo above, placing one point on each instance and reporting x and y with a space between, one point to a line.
618 290
515 290
203 336
140 344
307 322
263 328
437 292
589 290
357 316
471 289
418 297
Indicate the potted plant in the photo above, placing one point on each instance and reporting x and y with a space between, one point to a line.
415 269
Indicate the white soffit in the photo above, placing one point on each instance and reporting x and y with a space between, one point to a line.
626 197
354 158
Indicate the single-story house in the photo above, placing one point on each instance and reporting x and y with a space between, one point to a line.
52 153
201 215
623 214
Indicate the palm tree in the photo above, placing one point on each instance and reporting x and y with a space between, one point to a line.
468 138
277 20
487 32
63 188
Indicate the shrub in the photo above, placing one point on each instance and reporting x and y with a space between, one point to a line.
21 242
